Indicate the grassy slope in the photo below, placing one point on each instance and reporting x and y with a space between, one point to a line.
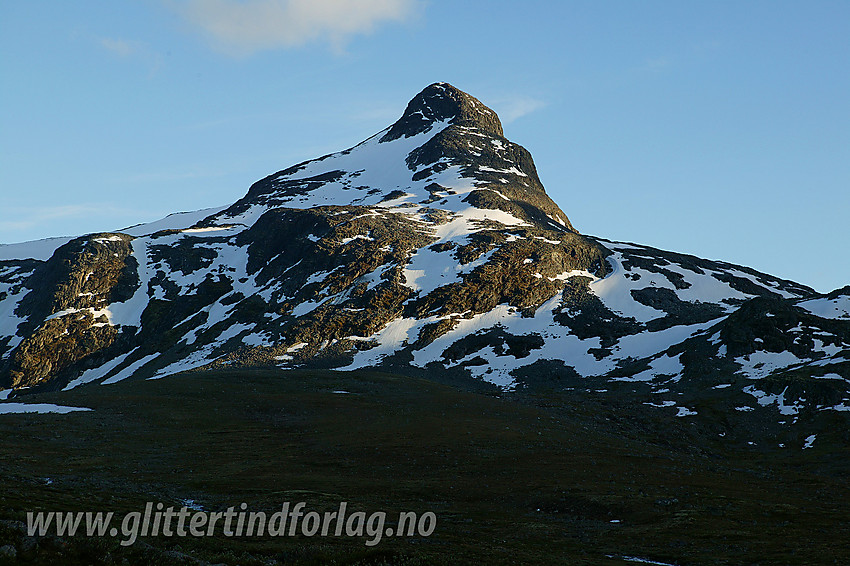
532 480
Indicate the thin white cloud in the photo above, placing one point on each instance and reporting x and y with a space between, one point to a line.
511 108
242 28
126 49
119 47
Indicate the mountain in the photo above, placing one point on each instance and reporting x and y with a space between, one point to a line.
429 249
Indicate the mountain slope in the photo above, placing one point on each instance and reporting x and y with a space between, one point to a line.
429 248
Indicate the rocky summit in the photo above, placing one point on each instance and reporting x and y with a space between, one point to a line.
429 249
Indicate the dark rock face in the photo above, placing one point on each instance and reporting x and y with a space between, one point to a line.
83 273
441 102
69 292
587 316
775 325
57 345
263 191
678 311
508 279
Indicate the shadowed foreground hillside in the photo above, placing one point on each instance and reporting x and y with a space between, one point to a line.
542 479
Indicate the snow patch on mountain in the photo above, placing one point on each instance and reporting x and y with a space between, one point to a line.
837 308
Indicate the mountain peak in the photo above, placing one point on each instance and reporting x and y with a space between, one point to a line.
442 102
447 151
437 253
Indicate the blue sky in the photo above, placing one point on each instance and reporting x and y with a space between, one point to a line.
720 129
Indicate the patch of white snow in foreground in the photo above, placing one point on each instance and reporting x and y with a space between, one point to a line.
98 372
129 370
9 408
641 560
